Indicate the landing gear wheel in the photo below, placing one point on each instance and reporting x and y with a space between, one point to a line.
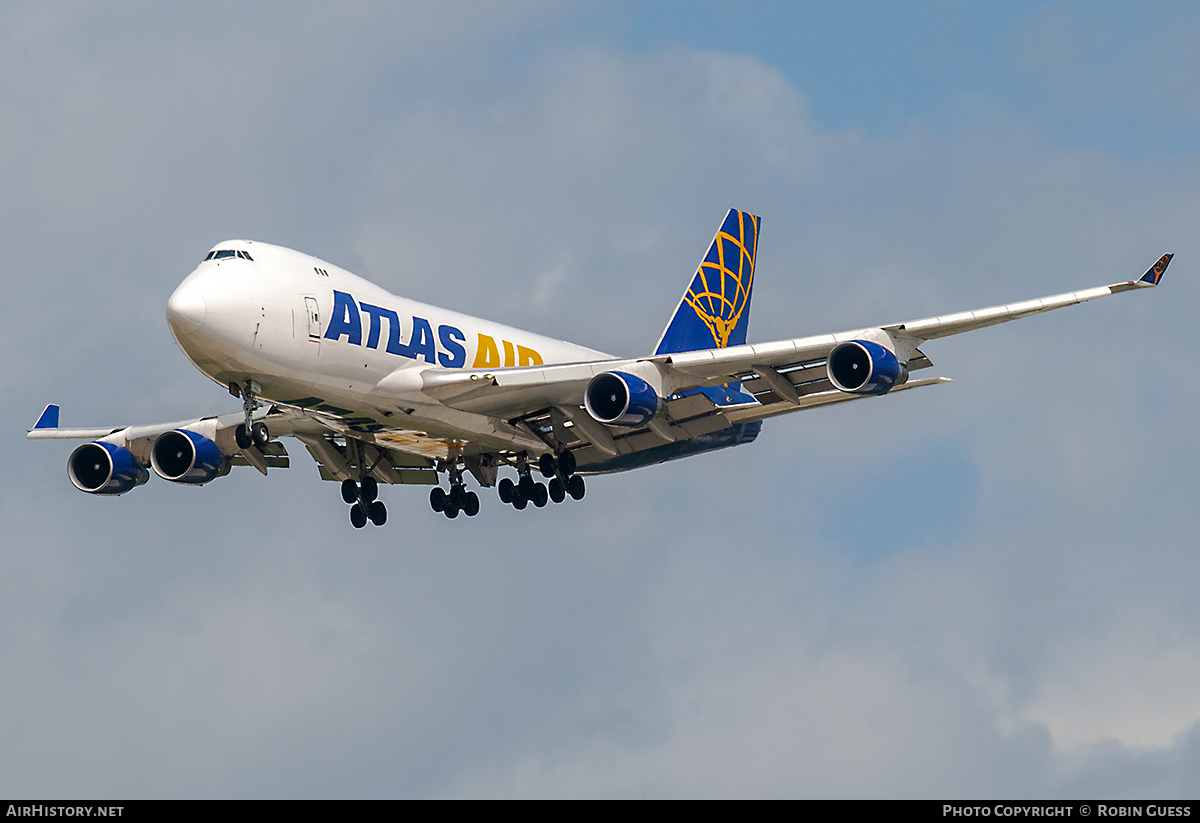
452 511
378 513
349 491
557 493
546 465
539 496
525 486
470 504
508 490
370 488
437 499
358 517
241 436
575 487
520 501
566 463
260 434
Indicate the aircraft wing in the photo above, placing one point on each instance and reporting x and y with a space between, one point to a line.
781 376
336 461
800 362
140 439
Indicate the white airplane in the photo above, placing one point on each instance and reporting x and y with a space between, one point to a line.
381 389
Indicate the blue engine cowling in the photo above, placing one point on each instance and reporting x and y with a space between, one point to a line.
620 399
182 456
863 367
102 468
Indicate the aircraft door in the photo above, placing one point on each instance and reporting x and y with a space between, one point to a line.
314 318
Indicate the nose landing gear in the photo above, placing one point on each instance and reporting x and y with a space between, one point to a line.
249 433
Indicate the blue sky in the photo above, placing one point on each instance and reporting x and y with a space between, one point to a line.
979 589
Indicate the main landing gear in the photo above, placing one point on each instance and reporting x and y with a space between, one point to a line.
559 470
363 505
458 499
563 481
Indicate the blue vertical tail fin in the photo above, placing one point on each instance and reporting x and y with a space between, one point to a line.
715 310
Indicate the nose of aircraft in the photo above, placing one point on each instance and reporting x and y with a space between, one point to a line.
186 310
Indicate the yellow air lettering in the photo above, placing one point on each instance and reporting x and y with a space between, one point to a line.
509 358
527 356
487 356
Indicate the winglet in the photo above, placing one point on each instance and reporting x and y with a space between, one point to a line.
1155 272
49 418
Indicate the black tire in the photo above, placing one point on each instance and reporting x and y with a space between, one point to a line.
525 486
370 488
242 438
456 496
349 491
260 434
539 496
575 487
358 517
566 463
520 501
451 512
470 504
557 493
378 513
546 465
437 499
508 490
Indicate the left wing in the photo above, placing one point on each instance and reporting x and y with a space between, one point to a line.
783 376
803 358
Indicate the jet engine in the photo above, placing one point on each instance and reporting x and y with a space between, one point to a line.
102 468
620 399
182 456
863 367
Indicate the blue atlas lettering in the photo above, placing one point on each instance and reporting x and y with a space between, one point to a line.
455 354
376 313
422 341
345 319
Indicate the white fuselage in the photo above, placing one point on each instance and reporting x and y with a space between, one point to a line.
309 333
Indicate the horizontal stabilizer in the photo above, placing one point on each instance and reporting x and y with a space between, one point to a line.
49 418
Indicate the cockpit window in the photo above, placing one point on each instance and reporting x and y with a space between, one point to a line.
223 253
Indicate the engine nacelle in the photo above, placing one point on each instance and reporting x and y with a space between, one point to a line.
182 456
863 367
621 399
102 468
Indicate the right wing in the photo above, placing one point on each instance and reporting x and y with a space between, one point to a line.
203 449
